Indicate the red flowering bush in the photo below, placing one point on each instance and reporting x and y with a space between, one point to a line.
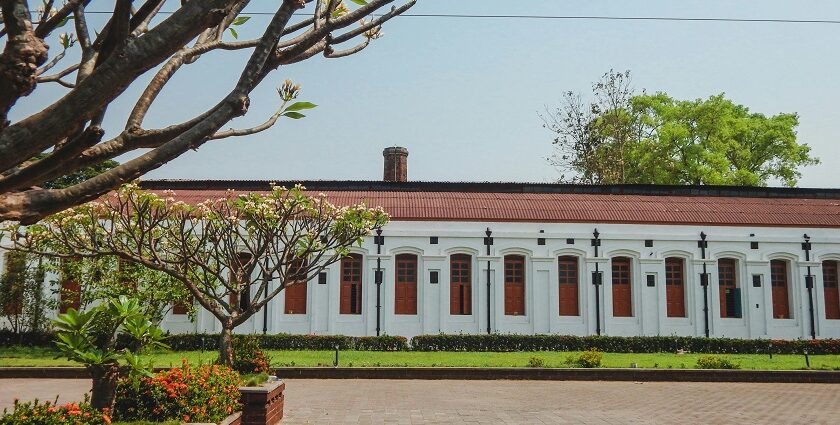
35 413
207 393
248 357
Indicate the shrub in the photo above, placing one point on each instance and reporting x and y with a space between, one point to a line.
248 358
207 393
536 362
589 359
716 362
35 413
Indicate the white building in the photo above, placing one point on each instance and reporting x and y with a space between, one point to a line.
525 258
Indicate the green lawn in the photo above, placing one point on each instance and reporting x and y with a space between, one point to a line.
20 356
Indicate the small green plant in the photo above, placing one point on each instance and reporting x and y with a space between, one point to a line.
536 362
248 357
589 359
716 362
254 380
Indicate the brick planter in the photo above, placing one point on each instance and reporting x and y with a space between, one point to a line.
262 405
234 419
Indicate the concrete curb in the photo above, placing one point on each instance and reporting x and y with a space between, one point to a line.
556 374
468 373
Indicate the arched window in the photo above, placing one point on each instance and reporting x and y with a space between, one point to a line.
70 292
295 292
729 291
830 292
13 282
460 284
675 286
567 273
351 285
405 284
622 287
514 285
779 282
242 300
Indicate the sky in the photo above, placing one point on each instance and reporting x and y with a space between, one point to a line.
464 95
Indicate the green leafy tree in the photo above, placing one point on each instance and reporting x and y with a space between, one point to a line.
233 254
626 137
90 337
110 277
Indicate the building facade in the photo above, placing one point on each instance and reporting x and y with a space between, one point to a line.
564 259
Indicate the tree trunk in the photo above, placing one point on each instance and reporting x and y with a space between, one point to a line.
104 385
226 346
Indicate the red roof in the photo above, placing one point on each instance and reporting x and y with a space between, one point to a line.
553 203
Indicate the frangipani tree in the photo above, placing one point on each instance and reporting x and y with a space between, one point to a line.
226 251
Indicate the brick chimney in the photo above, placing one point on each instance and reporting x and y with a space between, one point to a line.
396 164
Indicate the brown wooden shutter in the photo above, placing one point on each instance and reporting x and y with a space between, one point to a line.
70 292
830 291
14 281
675 286
351 285
567 272
405 284
727 281
514 285
460 284
622 287
237 277
182 307
779 284
295 292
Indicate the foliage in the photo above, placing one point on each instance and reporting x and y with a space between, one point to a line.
90 337
36 413
716 362
22 300
60 157
536 362
207 393
226 252
109 277
626 137
589 359
616 344
248 358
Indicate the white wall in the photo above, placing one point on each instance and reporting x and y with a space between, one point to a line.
542 315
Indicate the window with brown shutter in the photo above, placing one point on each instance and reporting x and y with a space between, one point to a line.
779 285
182 307
351 285
514 285
622 287
70 295
14 281
830 290
727 285
567 272
295 291
675 286
241 300
405 284
460 284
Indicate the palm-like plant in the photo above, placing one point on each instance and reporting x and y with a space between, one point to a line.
90 337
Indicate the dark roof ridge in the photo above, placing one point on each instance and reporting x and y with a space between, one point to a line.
499 187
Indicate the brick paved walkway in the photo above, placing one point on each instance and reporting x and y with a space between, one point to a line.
521 402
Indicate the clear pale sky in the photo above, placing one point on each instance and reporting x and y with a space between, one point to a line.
463 95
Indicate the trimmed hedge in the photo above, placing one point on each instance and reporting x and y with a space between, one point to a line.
295 342
615 344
